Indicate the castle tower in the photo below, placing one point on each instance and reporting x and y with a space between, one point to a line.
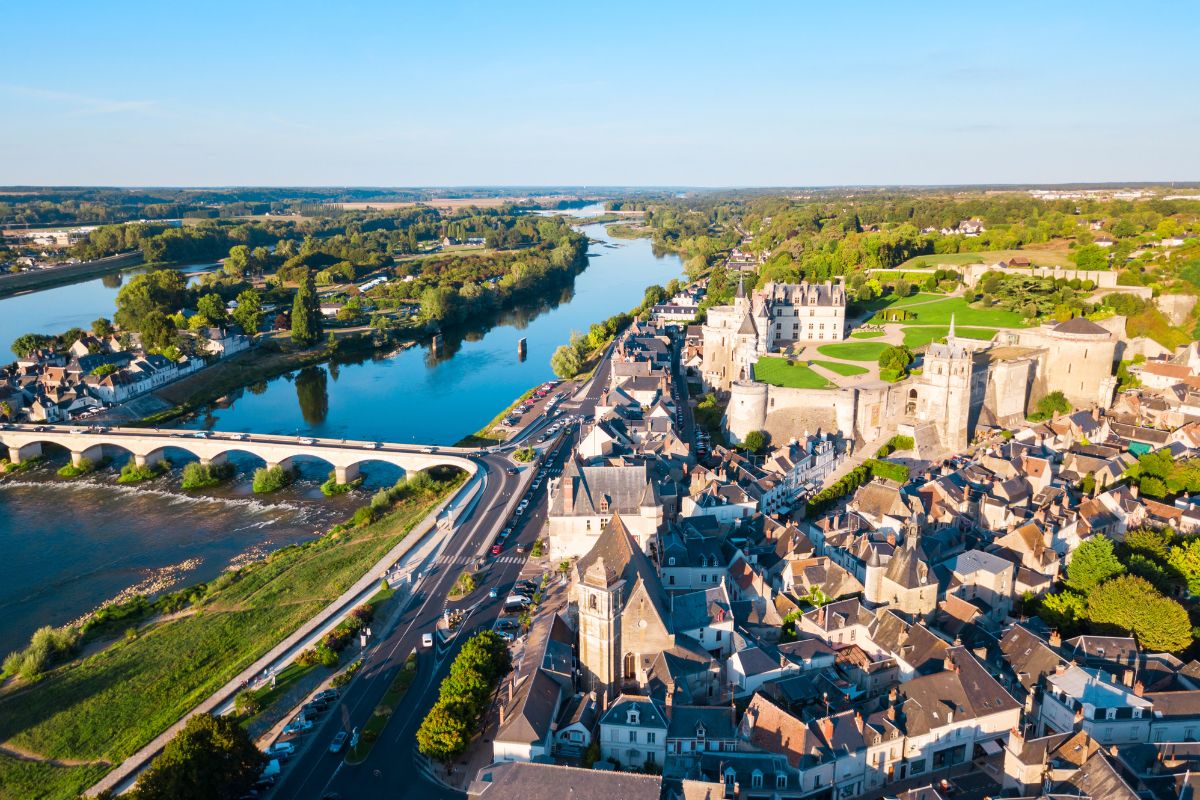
946 385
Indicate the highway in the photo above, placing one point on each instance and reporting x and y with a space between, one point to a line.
394 769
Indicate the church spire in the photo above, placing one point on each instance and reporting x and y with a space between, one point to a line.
741 290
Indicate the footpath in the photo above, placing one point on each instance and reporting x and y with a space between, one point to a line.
121 778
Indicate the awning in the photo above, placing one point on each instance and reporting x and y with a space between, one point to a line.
990 747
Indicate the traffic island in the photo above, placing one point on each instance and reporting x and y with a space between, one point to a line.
382 714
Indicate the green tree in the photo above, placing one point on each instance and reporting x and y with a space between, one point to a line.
1091 257
102 327
896 357
1185 559
438 303
1055 401
26 344
212 308
443 734
755 441
566 362
1133 605
238 263
158 331
249 311
212 758
161 291
1064 611
1092 563
306 312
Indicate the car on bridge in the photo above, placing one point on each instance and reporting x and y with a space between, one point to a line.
339 741
306 440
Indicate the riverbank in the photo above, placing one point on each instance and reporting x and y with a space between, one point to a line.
487 436
81 718
67 273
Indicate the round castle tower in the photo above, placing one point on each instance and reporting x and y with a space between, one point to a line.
747 410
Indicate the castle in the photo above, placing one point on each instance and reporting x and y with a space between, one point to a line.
777 316
963 383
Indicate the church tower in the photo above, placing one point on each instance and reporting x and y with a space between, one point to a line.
599 597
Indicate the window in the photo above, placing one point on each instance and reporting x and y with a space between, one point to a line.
780 781
592 602
630 674
671 580
703 578
650 737
671 561
633 737
756 779
719 636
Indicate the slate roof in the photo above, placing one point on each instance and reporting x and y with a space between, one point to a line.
518 780
1080 325
967 692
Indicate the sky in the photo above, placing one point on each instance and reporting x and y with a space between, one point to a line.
642 93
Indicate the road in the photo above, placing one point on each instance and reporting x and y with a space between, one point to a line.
394 769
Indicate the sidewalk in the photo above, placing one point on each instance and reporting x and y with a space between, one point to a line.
120 778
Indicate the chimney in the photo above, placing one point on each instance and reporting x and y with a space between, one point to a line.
501 722
1016 739
510 689
1127 677
1055 639
821 617
568 488
1138 688
948 664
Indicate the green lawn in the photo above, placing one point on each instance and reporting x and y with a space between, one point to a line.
110 704
939 313
912 299
776 371
842 368
854 351
1049 257
918 337
867 334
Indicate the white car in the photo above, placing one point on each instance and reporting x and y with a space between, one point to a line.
298 725
307 440
426 640
241 437
281 750
428 450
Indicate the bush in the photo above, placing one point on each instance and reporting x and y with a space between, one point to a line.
201 476
888 470
346 675
74 471
895 443
132 473
525 454
331 487
755 441
47 647
270 479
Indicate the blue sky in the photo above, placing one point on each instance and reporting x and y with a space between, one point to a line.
646 93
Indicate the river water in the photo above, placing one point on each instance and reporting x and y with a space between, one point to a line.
71 546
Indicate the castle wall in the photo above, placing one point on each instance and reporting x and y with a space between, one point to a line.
1010 387
1104 279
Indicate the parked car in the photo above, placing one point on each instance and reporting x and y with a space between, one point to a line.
326 696
312 709
339 741
426 640
506 636
281 750
298 725
526 587
513 599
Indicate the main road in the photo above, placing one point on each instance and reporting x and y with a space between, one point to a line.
394 769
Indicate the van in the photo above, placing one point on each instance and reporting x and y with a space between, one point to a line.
426 640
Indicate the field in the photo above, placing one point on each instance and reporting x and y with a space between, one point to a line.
102 709
842 368
1040 256
776 371
915 337
854 351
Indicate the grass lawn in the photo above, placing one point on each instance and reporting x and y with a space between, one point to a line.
842 368
939 313
1039 256
912 299
918 337
777 372
867 334
108 705
854 351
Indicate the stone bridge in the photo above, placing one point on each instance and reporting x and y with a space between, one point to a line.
213 447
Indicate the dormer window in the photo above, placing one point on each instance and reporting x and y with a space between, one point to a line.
700 732
756 779
633 716
603 505
730 776
780 780
671 561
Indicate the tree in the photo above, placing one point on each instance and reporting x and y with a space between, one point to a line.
1185 559
1091 257
566 362
102 327
1063 611
158 332
249 311
212 308
1093 563
162 290
238 263
443 733
896 357
212 757
26 344
306 312
754 442
1133 605
1055 401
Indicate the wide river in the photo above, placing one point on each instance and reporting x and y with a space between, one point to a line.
71 546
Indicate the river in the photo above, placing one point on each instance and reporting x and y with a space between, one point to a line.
69 547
